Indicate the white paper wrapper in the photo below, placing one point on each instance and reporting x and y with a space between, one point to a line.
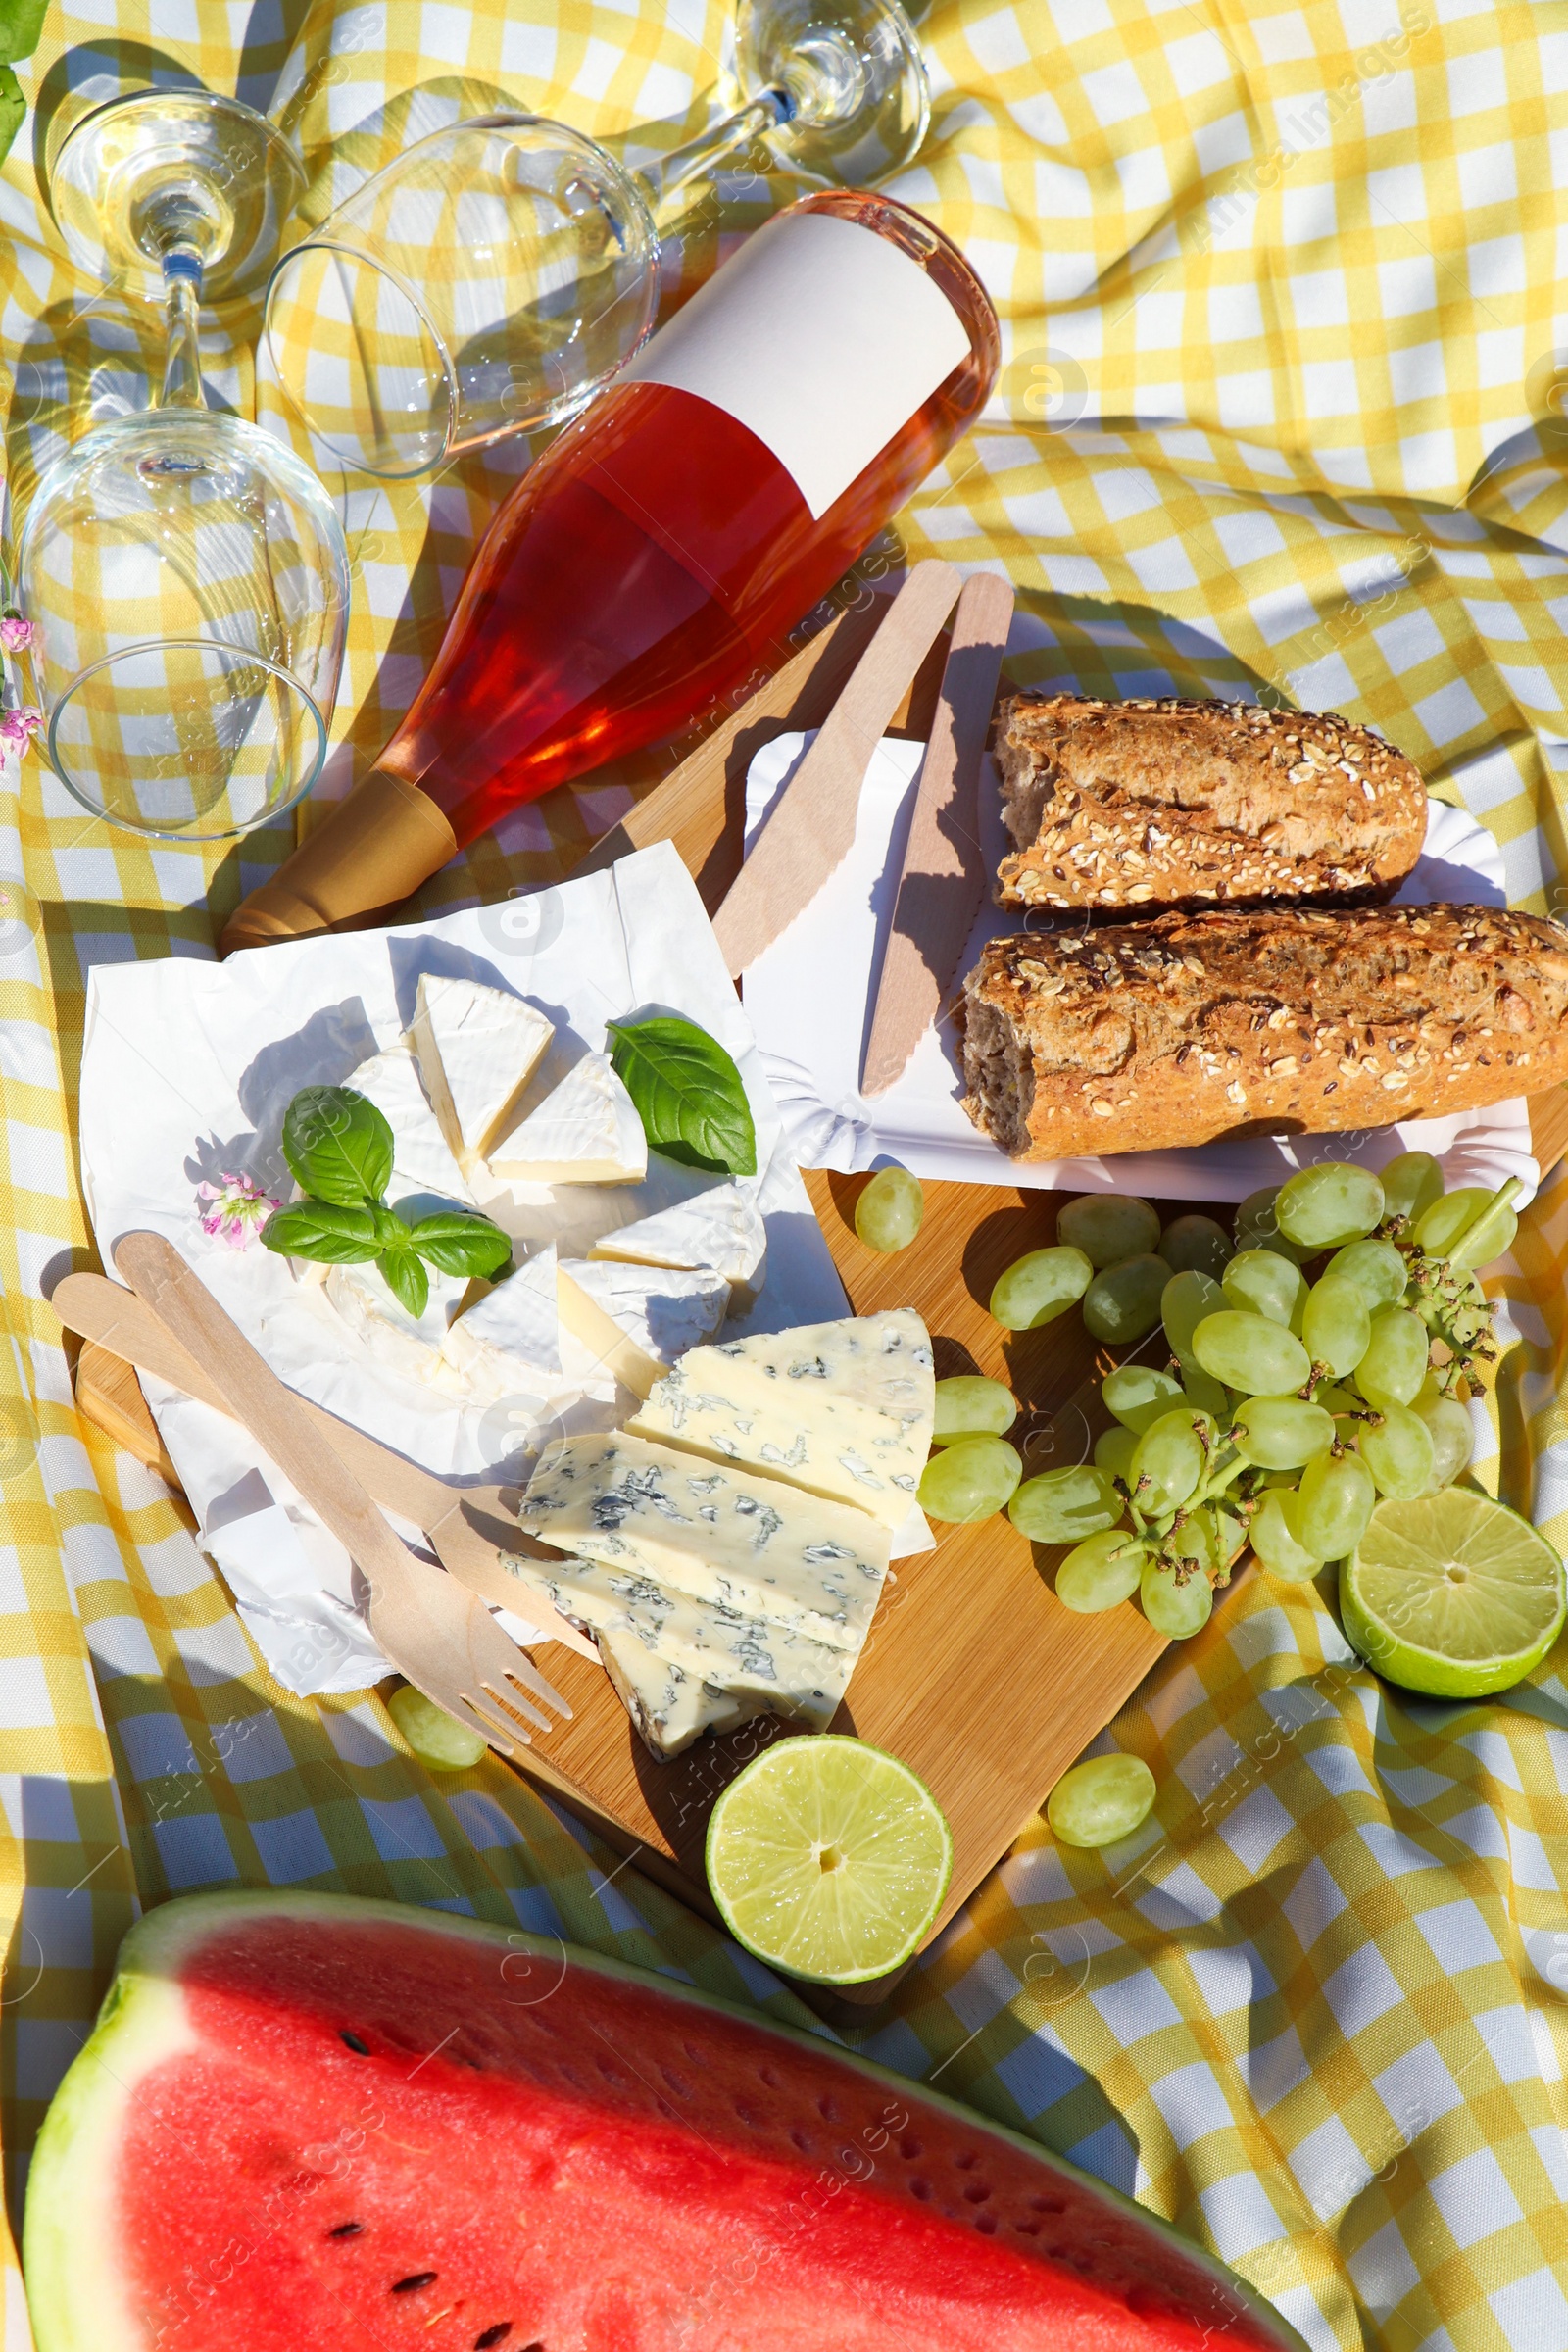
810 998
187 1070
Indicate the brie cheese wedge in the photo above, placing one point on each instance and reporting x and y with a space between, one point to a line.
720 1229
423 1170
637 1321
585 1131
509 1342
405 1343
476 1048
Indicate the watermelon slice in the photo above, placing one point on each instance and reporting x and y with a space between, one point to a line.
316 2123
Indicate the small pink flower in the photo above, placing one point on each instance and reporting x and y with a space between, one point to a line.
15 634
19 726
236 1209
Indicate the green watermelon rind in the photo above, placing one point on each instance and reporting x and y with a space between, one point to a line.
141 2025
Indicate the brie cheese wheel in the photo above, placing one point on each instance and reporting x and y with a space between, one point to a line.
841 1410
476 1048
401 1342
585 1131
423 1169
719 1535
509 1342
720 1229
636 1321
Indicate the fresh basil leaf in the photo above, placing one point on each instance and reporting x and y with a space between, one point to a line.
456 1243
688 1094
337 1145
391 1233
334 1233
405 1279
20 28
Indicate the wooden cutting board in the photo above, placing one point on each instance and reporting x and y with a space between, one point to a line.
973 1673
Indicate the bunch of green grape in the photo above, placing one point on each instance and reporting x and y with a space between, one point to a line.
1313 1363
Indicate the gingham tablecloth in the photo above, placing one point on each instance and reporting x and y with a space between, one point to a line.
1279 414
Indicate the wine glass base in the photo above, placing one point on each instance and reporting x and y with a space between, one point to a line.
158 172
854 79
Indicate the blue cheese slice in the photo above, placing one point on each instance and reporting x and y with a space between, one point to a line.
423 1170
754 1664
714 1534
841 1410
476 1047
669 1707
508 1343
720 1230
637 1321
585 1131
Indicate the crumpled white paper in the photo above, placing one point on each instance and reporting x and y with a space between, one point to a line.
810 998
187 1070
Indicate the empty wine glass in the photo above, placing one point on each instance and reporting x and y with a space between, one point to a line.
493 277
185 574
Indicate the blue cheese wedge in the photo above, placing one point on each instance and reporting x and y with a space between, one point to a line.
585 1131
719 1230
508 1343
637 1321
717 1534
423 1170
755 1665
476 1047
841 1410
669 1707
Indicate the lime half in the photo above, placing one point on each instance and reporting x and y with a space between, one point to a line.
828 1859
1454 1596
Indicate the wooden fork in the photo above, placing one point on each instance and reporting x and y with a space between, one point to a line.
434 1631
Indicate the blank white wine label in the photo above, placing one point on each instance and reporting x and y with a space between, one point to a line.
821 337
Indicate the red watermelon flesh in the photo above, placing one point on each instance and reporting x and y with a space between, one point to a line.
320 2124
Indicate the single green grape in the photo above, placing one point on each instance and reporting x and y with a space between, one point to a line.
1492 1233
1248 1353
1138 1393
1122 1302
1169 1462
1194 1244
436 1737
967 1405
1410 1185
1454 1438
1259 1282
1399 1452
1114 1454
1337 1400
889 1211
1335 1327
1184 1302
1198 1543
1064 1507
1202 1388
1282 1433
1336 1499
1109 1226
969 1480
1258 1225
1377 1269
1324 1206
1100 1801
1393 1368
1037 1288
1175 1607
1440 1228
1100 1571
1276 1537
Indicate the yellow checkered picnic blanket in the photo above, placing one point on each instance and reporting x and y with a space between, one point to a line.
1281 412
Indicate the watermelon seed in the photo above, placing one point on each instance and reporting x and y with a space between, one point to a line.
346 2230
1027 2229
920 2188
406 2286
967 2162
977 2194
986 2224
355 2044
492 2336
909 2149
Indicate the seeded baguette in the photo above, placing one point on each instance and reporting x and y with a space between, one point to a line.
1288 1020
1162 804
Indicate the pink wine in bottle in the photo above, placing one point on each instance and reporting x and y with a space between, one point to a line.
668 539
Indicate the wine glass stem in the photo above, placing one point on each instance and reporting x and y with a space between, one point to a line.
183 364
773 109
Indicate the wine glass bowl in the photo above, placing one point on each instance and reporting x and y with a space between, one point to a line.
156 170
187 582
489 281
857 100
